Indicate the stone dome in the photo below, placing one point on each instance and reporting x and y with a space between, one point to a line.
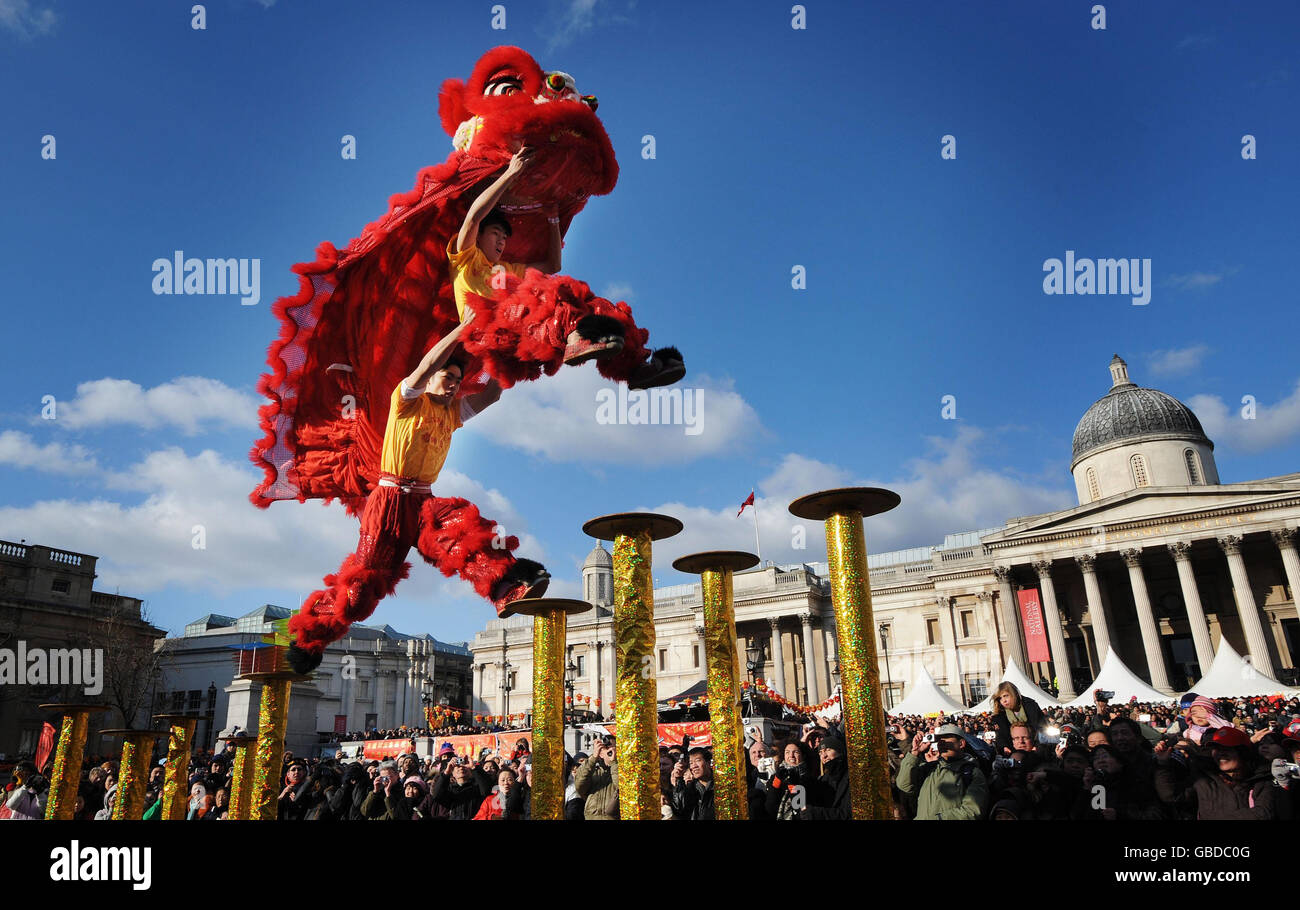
598 558
1129 413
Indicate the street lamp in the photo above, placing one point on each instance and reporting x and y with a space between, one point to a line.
570 677
884 646
753 660
506 667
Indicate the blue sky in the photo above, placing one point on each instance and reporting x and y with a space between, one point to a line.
775 147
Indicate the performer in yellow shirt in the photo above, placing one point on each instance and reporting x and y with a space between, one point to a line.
402 512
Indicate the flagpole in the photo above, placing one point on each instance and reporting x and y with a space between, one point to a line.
758 546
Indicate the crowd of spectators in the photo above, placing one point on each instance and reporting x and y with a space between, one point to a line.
1201 759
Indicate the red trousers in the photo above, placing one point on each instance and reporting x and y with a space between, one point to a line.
450 534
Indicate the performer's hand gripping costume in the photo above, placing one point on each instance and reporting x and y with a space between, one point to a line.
363 315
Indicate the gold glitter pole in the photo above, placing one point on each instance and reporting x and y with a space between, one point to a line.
241 777
550 627
65 774
132 772
176 776
268 755
730 787
636 712
862 709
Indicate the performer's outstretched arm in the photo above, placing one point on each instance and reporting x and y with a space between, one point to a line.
489 198
553 261
436 359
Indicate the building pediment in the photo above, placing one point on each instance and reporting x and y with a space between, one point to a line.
1173 509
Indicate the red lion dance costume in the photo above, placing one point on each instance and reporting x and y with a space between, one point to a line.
365 314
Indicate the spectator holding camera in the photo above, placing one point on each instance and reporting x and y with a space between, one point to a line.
793 775
692 796
459 792
951 788
828 797
1229 783
596 782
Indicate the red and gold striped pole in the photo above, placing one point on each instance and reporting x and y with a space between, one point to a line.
132 772
862 709
176 774
550 628
730 785
636 713
65 774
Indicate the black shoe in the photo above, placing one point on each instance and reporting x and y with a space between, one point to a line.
664 367
525 578
303 662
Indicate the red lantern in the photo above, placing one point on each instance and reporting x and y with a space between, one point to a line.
672 703
687 703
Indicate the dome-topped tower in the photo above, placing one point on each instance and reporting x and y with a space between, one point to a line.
1137 437
598 577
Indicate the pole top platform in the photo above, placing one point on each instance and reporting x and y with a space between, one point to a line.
717 560
125 732
607 527
70 708
541 606
867 500
267 675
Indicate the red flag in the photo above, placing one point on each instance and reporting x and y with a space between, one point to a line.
45 745
747 502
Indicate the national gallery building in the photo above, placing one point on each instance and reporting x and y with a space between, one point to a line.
1159 561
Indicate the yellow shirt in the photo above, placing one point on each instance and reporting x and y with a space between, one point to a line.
418 435
471 271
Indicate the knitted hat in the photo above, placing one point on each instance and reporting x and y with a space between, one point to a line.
418 781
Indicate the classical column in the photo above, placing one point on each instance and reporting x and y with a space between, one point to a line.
778 658
1285 538
1010 621
1256 642
993 648
832 653
1182 552
1096 609
952 669
1146 620
1055 630
809 661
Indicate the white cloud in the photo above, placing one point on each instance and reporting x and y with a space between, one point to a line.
186 403
20 451
1176 361
617 291
1226 425
1194 280
577 16
557 417
945 492
26 21
290 546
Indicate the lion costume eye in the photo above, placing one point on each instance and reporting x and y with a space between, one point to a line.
591 102
504 85
556 82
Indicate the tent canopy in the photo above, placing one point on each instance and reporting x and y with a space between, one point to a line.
1232 675
1116 677
925 697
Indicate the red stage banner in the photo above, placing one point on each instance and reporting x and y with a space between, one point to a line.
1031 616
385 748
699 731
506 741
466 746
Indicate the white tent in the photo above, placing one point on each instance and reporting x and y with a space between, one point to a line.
925 697
1014 675
1232 675
1117 678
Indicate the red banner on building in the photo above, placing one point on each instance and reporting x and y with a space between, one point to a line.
1031 619
699 731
